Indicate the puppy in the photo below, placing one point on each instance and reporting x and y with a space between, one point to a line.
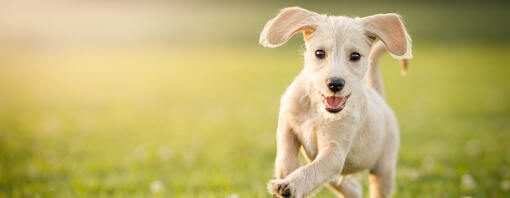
335 108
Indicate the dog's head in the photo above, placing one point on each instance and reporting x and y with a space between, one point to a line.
337 49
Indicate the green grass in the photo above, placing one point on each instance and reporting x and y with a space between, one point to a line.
89 124
200 121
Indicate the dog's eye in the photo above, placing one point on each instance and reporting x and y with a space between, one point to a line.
355 56
320 54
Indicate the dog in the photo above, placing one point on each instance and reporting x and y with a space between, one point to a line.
335 109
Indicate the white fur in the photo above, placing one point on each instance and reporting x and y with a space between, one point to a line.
364 135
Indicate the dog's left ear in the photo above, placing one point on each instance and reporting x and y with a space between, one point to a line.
391 31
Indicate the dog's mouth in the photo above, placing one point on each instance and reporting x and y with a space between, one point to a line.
334 103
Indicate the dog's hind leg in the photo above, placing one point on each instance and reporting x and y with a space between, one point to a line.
381 183
346 187
382 175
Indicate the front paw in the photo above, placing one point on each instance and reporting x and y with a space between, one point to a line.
281 188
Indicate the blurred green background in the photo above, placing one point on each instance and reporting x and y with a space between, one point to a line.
173 99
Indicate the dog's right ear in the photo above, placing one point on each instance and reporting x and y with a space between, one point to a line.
278 30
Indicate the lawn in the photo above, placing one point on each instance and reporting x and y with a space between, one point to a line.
92 125
199 120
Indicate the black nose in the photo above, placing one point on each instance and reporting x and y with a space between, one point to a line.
335 84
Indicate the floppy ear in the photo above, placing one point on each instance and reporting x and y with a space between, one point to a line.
391 31
290 20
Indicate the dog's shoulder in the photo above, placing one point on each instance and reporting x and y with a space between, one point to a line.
295 102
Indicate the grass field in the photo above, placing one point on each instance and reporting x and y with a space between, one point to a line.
185 126
192 120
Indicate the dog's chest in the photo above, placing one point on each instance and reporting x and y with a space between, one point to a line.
307 135
307 127
361 154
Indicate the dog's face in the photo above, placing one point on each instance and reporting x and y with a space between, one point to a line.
337 49
336 60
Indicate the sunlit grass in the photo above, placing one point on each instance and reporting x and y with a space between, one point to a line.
200 122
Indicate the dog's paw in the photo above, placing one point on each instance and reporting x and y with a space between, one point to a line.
281 188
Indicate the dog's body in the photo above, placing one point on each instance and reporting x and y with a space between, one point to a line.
335 108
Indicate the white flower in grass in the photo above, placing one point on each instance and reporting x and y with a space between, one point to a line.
157 186
505 185
467 181
233 195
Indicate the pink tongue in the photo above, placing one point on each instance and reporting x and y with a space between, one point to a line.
334 102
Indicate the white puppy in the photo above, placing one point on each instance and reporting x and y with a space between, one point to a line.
335 109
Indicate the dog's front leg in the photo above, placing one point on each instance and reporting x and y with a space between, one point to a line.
304 180
287 149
